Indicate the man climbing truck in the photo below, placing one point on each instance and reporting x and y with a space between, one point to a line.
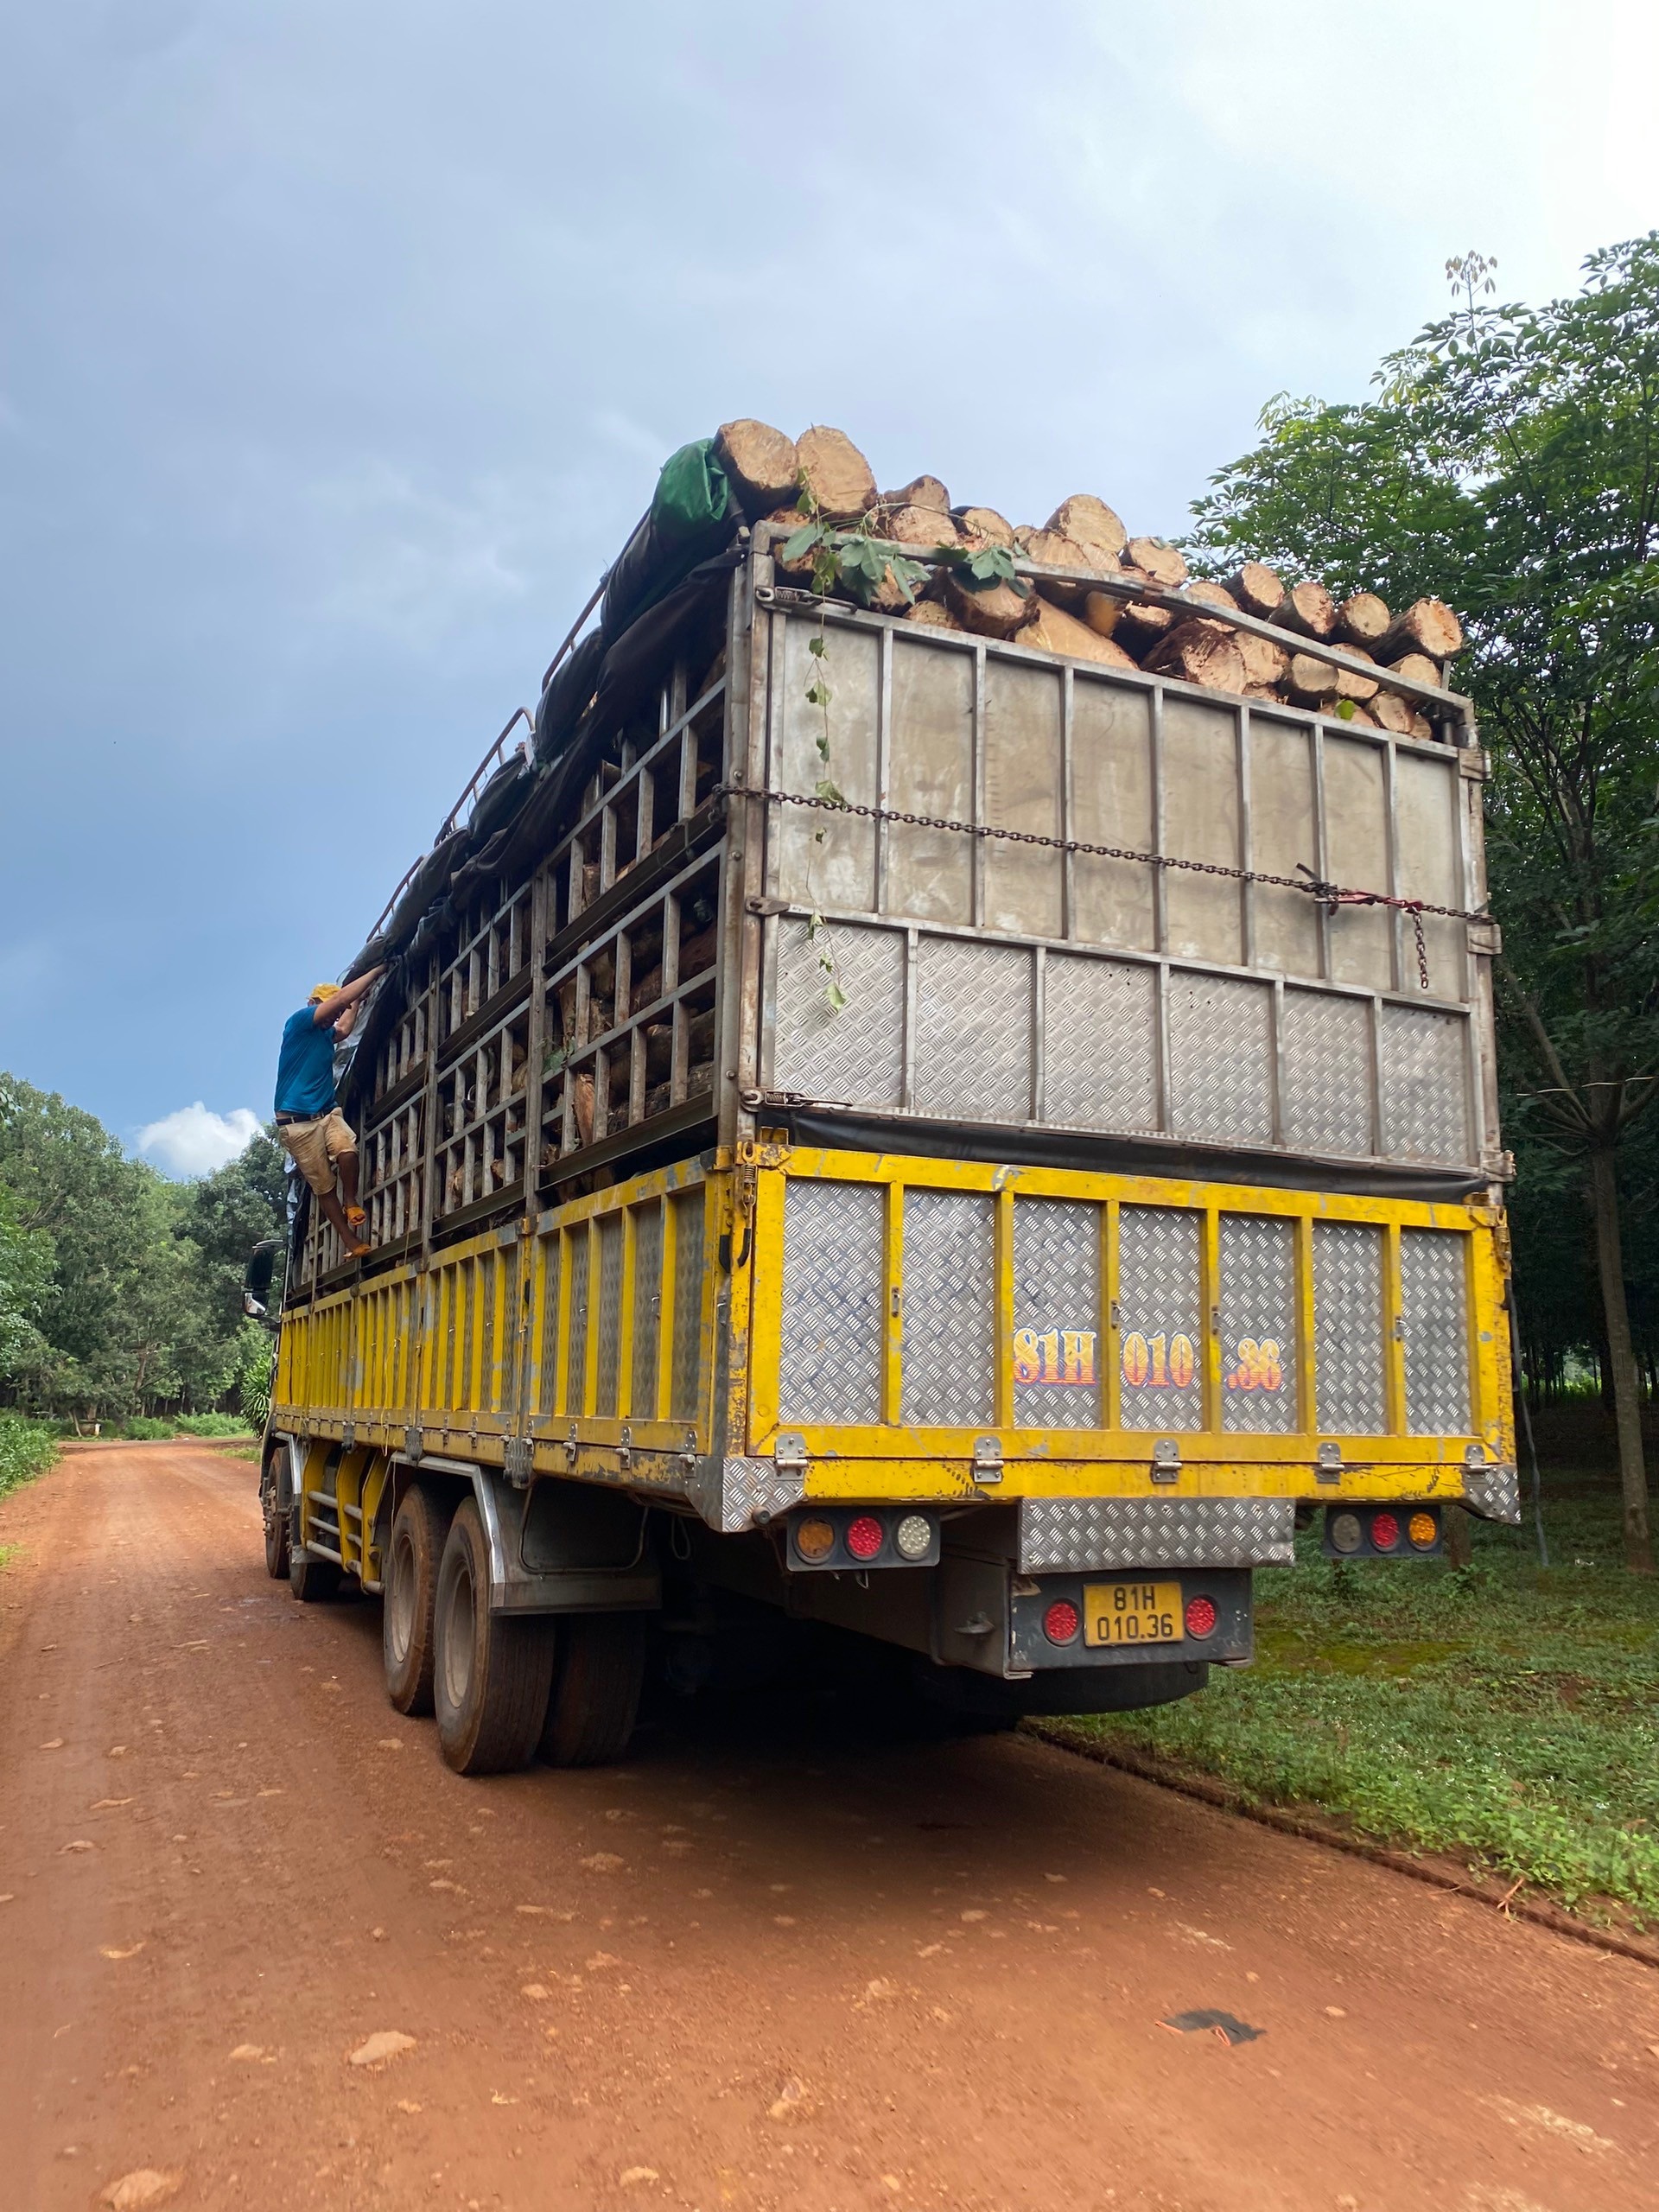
951 1100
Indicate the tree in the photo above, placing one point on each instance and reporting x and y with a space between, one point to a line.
1510 465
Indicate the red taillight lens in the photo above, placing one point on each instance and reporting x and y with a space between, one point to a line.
865 1536
1385 1532
1061 1621
1200 1616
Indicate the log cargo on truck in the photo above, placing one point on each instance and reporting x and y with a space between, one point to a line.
944 1092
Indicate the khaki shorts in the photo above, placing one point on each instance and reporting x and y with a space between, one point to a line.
315 1146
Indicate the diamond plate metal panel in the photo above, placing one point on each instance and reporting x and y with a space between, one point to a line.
610 1313
949 1307
1433 1298
1057 1313
728 1493
1324 1045
1159 1330
1100 1044
855 1055
548 1376
835 1278
1067 1534
1350 1381
685 1382
647 1309
1424 1072
575 1348
1493 1492
1258 1325
973 1030
1220 1057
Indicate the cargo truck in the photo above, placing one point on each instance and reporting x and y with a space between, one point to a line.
873 1126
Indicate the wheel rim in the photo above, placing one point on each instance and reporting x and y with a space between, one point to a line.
400 1603
460 1627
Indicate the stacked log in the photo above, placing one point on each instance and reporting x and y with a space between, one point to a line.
1086 612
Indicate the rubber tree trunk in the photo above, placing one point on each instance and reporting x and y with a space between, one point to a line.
1621 1358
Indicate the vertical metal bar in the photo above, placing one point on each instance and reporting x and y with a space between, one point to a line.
589 1229
1308 1398
1277 1064
978 853
664 1323
1037 1102
1003 1377
1394 1332
1068 806
625 1318
1161 1015
1391 842
1209 1314
1155 744
883 769
1374 1071
892 1361
1321 844
1246 836
907 1081
1112 1394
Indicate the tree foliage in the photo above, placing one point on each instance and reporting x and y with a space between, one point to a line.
1509 464
119 1290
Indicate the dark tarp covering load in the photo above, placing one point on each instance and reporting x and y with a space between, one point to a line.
692 514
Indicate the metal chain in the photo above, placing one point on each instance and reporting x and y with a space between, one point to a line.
1329 895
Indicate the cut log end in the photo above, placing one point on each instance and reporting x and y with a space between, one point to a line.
1308 609
1257 589
920 492
996 611
1428 627
1417 667
1199 651
1089 521
1054 630
921 526
1210 595
836 472
983 524
762 463
932 615
1362 620
1157 558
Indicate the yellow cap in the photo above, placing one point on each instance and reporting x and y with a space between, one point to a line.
321 991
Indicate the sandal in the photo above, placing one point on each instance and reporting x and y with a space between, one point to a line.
356 1216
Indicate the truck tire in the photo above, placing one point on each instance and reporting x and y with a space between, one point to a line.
602 1666
408 1618
493 1672
277 1525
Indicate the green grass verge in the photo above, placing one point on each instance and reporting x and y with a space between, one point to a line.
1506 1714
26 1449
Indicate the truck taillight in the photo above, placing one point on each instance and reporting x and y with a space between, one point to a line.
1385 1532
865 1536
1062 1621
1200 1616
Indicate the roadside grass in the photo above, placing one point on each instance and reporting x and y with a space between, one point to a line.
1505 1714
26 1449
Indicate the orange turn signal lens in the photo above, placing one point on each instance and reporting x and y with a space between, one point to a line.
815 1539
1422 1528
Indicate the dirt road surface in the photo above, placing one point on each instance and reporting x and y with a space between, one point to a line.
748 1969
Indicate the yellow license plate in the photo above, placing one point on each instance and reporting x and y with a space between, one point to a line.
1132 1613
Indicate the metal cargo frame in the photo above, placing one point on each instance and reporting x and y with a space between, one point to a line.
1338 1347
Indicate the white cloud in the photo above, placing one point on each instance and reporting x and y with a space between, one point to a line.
191 1140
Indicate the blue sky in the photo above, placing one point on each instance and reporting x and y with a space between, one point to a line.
340 347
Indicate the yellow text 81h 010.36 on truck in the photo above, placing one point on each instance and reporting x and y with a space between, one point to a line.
886 1122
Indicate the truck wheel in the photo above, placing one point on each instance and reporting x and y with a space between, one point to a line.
276 1530
601 1665
408 1632
493 1673
311 1579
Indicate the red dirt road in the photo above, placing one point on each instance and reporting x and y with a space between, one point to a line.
740 1972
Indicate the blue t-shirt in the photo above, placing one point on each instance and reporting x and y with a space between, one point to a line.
305 1067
